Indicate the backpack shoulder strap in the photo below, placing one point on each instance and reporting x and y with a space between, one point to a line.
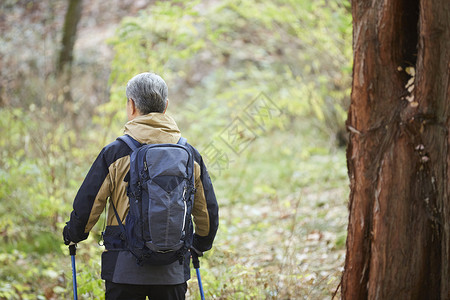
182 141
129 141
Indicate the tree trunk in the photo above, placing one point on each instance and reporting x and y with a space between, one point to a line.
65 59
73 16
398 244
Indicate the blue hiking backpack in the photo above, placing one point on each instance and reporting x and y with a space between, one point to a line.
158 228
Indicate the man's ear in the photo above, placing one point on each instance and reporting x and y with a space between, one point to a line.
132 106
167 104
131 109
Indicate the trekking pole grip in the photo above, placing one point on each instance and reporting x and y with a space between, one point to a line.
195 260
72 249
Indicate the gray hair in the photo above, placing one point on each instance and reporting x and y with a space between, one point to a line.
149 93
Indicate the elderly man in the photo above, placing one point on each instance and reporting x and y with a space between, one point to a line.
108 179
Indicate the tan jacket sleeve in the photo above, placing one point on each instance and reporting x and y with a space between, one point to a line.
200 210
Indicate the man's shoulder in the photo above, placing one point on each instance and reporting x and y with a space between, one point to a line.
114 146
115 150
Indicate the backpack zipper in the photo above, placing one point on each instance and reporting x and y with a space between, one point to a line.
185 210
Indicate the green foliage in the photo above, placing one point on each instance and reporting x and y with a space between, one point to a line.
36 176
41 167
217 57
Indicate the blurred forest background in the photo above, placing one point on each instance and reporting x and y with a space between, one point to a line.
260 87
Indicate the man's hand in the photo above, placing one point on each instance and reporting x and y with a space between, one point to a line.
66 236
196 252
195 255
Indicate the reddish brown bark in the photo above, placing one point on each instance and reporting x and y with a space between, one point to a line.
398 157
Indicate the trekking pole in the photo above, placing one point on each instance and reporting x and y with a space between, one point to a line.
196 264
73 252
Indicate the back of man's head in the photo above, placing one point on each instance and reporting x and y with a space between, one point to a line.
149 93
